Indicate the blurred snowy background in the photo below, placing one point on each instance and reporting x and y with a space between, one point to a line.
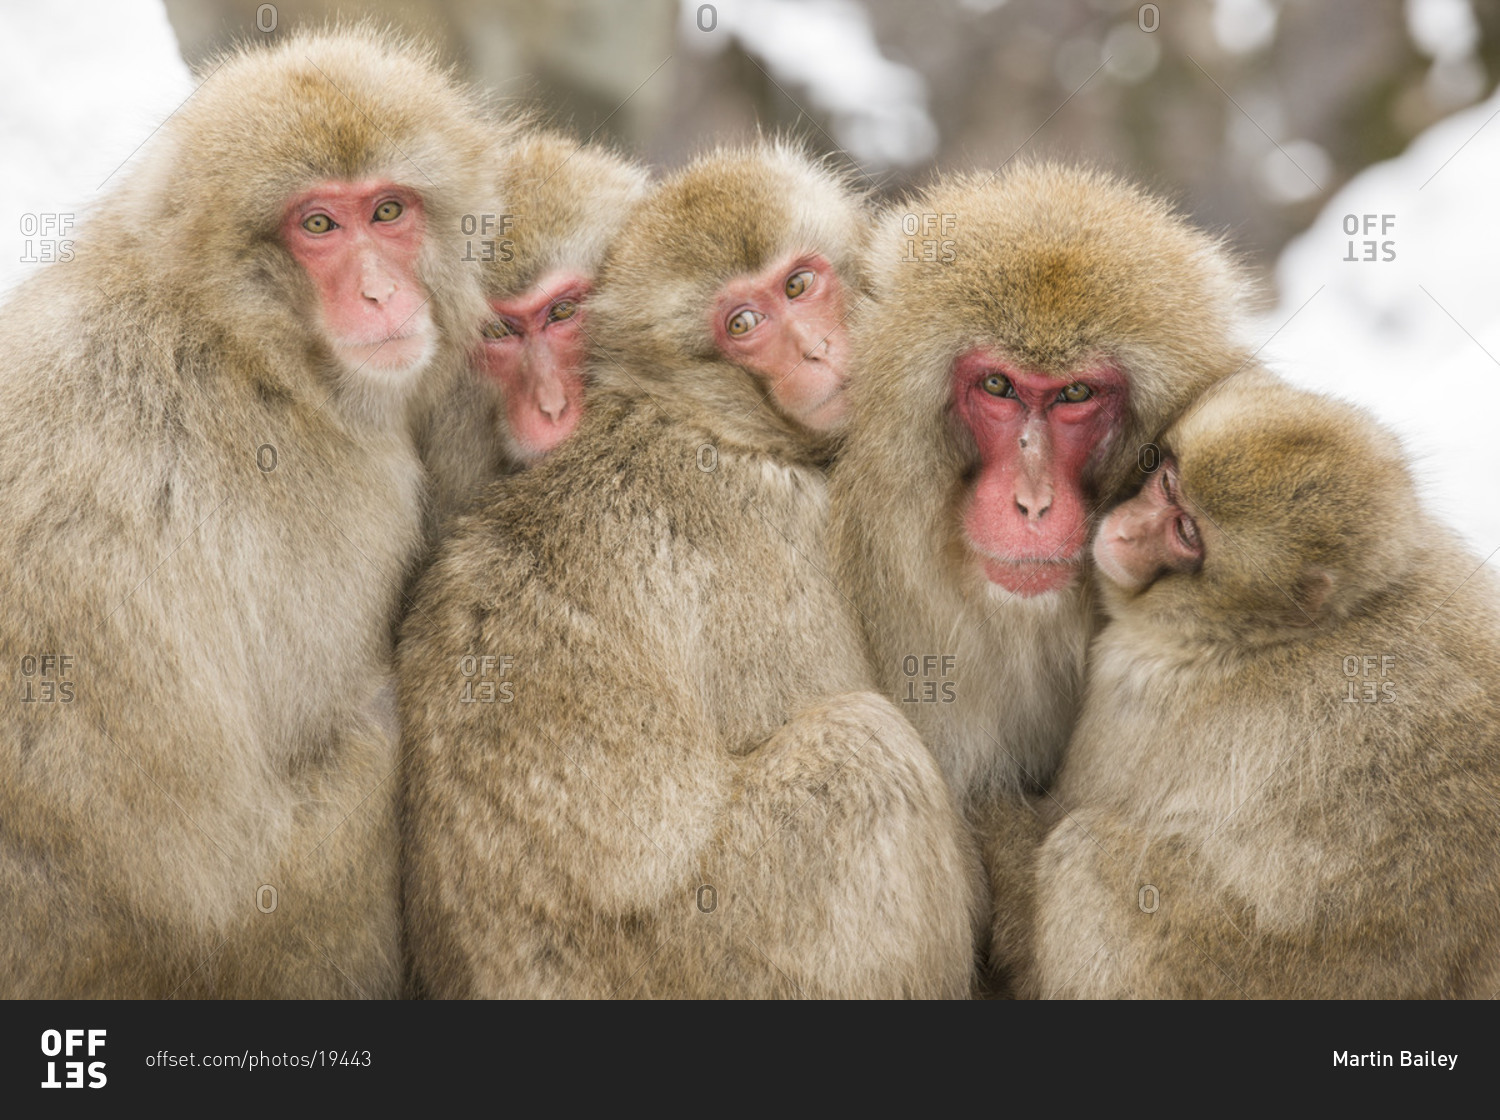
1345 147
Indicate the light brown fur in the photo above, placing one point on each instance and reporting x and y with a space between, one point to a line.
1232 823
692 709
1052 267
563 202
566 202
231 730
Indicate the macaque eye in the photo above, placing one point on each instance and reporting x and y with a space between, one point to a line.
497 328
318 223
1187 531
563 309
1169 486
743 322
798 282
998 385
1075 393
389 211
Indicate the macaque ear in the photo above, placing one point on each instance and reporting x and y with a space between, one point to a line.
1310 596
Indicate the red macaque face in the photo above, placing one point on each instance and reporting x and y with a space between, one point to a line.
1150 535
1038 437
785 324
534 347
360 243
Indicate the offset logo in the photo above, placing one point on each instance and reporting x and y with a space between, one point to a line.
68 1044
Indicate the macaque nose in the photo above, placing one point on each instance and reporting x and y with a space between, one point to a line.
812 341
551 400
375 283
1033 502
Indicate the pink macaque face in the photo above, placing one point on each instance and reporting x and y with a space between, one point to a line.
1039 435
785 324
360 243
534 347
1150 535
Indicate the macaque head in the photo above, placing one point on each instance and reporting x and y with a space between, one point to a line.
1272 508
534 348
785 325
360 244
1031 332
564 203
750 259
1040 438
329 213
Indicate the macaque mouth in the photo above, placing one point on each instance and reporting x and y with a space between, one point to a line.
1057 556
1028 578
837 389
416 327
402 353
377 340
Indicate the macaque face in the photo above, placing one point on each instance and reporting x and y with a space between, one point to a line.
785 324
534 347
1039 436
360 243
1150 535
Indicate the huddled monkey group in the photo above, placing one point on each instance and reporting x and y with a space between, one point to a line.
442 558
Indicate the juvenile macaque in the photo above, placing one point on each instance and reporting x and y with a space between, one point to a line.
1284 779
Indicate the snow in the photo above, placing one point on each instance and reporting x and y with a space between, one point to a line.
825 50
1415 339
84 83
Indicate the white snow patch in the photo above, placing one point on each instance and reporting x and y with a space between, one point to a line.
1414 334
84 83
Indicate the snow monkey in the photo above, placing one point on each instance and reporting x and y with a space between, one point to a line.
1030 334
211 498
563 202
1284 777
684 785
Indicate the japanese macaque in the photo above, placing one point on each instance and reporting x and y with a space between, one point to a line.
211 497
563 203
1284 777
645 757
1030 334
